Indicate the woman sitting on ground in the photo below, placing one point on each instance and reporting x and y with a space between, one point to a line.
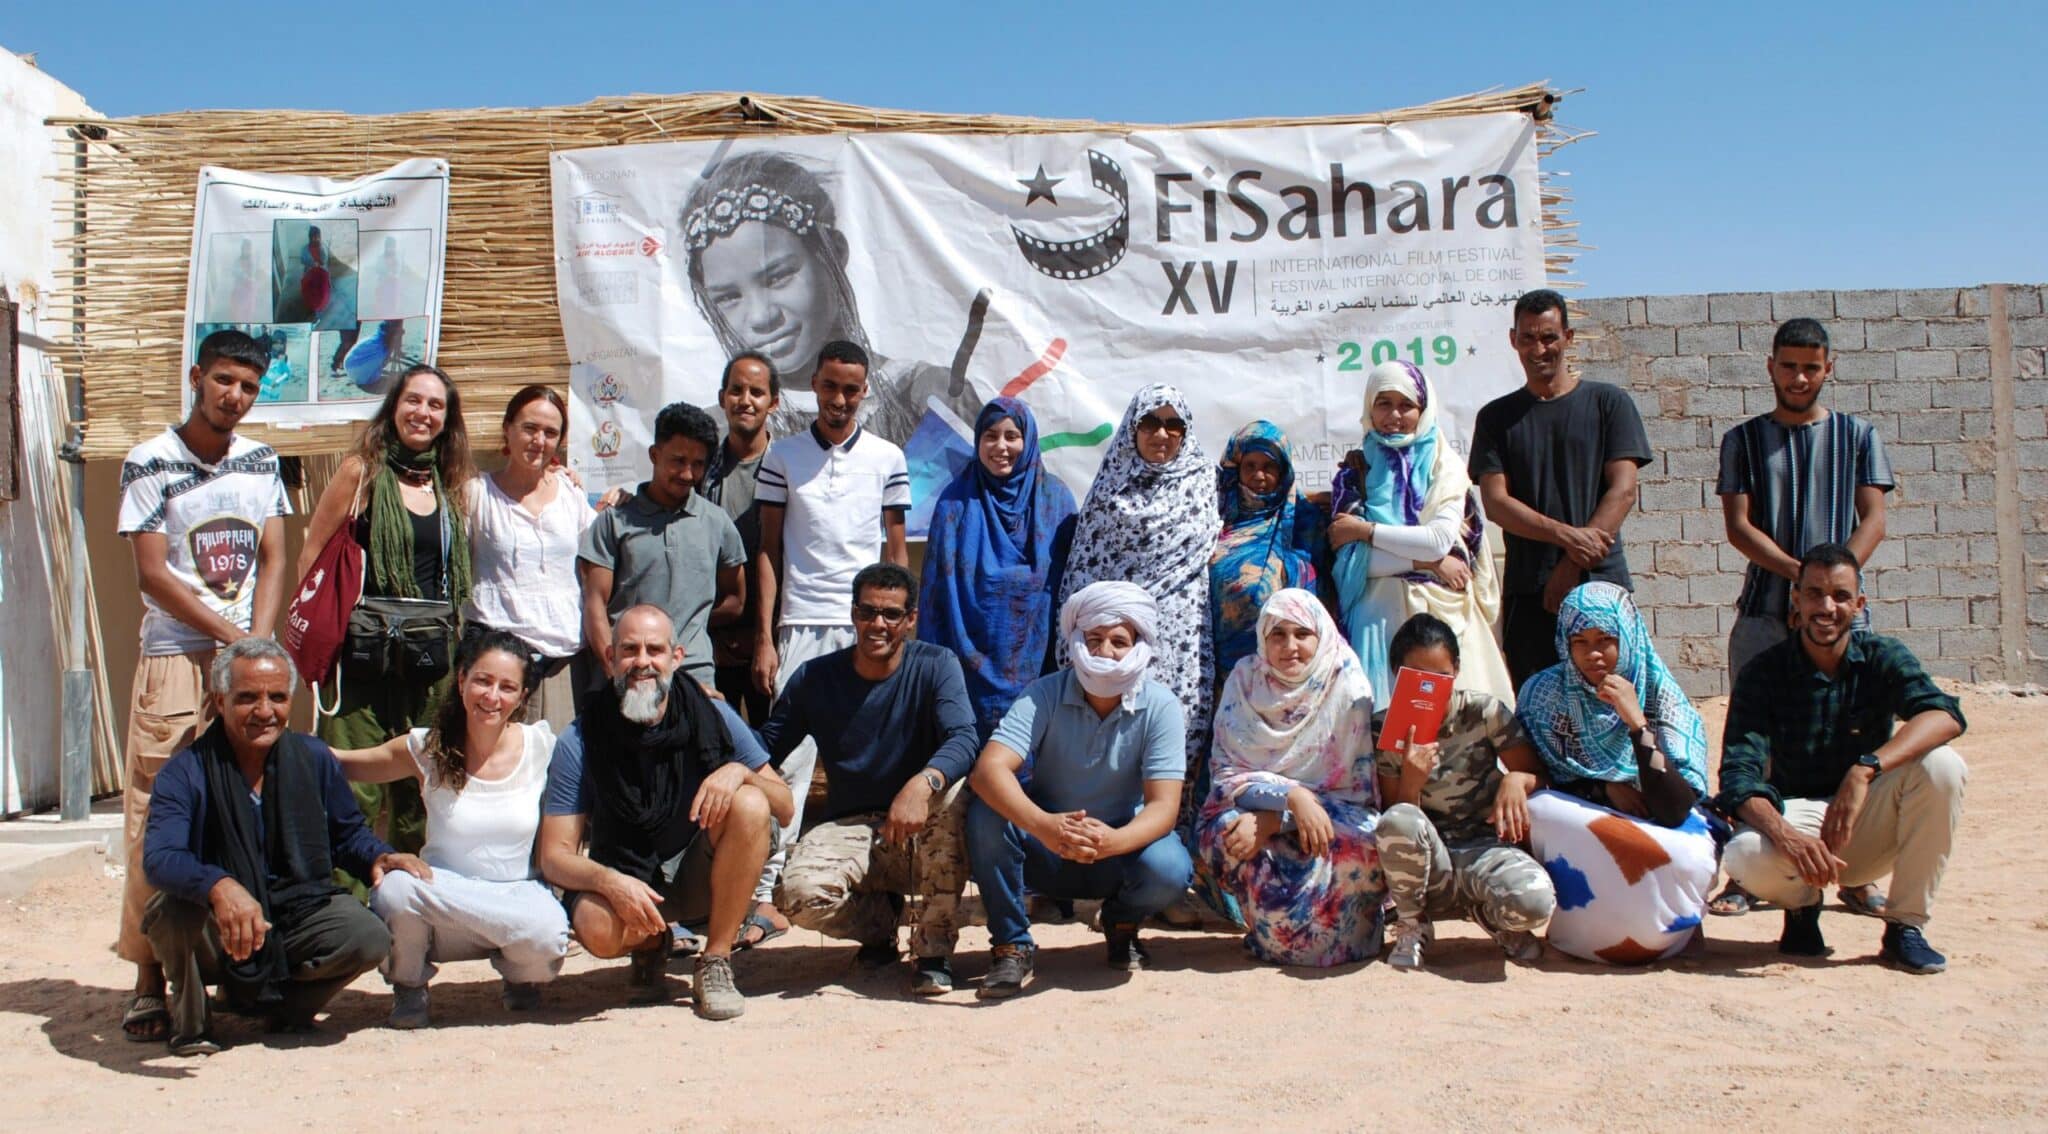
482 775
1287 830
1455 810
1628 850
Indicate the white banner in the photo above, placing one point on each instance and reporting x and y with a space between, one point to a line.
1263 270
341 278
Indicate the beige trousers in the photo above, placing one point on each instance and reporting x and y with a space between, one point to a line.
168 710
1907 826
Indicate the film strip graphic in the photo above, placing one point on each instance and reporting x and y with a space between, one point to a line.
1096 253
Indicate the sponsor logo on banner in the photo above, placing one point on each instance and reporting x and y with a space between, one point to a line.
594 208
609 249
607 289
605 391
607 441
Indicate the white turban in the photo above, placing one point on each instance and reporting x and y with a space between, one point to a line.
1107 604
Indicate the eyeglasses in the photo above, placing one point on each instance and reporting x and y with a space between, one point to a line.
1150 424
886 615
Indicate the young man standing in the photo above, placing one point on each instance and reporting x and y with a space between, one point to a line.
1792 479
833 500
203 510
896 735
1823 788
1556 465
748 393
665 547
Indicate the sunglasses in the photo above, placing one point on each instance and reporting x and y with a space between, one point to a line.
886 615
1151 424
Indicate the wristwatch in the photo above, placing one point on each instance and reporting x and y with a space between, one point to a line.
1870 760
934 780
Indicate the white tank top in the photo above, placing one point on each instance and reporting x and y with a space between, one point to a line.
486 830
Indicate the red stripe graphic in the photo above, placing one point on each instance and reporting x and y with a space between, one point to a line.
1036 370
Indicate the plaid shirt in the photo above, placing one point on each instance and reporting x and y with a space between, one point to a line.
1793 732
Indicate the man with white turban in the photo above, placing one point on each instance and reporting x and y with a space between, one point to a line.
1103 749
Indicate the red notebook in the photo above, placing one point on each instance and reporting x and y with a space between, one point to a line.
1419 701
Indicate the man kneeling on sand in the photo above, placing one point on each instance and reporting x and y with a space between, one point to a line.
245 830
678 811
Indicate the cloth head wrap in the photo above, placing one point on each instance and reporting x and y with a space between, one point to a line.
1106 604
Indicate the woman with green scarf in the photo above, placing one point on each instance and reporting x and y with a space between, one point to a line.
401 488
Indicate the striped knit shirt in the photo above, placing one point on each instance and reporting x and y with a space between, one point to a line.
1801 481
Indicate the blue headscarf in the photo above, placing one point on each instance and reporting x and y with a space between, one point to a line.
988 568
1270 541
1577 734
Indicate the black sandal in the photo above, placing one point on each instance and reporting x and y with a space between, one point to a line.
148 1018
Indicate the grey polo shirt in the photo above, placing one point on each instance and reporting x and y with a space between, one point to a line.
669 558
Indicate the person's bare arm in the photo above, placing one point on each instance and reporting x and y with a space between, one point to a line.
1869 523
1154 819
153 572
767 588
330 513
562 862
895 547
1617 501
994 781
597 619
269 578
1517 518
732 590
1750 540
391 760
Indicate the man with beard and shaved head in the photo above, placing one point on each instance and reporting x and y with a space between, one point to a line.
670 788
1793 479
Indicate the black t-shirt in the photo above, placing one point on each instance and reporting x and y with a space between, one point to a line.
1555 455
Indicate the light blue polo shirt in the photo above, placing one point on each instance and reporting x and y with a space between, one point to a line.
1077 761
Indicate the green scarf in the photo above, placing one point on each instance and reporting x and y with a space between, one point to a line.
391 526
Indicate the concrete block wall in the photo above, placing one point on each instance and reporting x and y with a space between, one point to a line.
1953 378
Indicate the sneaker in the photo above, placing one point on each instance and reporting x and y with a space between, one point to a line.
1520 945
715 995
1906 948
1126 952
408 1006
521 997
1410 939
1801 937
1009 967
934 977
647 976
877 956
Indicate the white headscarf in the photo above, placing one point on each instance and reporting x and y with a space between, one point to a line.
1107 604
1314 730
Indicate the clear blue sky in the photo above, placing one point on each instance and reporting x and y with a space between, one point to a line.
1758 147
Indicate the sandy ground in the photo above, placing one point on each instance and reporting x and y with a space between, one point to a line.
1206 1040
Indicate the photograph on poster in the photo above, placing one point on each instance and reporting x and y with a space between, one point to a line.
394 275
313 268
237 287
359 364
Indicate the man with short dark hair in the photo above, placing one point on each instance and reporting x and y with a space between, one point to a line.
748 393
1794 478
246 828
895 733
667 547
833 500
1825 790
203 509
679 815
1556 465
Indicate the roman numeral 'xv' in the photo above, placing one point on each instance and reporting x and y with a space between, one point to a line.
1179 276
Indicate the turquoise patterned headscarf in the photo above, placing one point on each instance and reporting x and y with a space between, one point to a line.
1578 735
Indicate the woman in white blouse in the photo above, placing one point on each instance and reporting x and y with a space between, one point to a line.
481 775
1409 537
525 521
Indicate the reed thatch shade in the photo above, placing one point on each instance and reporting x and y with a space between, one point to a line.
500 327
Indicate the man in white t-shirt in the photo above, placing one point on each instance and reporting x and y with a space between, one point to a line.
203 511
833 500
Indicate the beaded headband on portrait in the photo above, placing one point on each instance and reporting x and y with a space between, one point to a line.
730 208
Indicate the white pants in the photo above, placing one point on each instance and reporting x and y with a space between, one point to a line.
1906 827
795 645
520 926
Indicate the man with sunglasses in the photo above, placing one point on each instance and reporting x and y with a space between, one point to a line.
895 734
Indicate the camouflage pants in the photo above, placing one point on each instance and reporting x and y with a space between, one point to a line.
1428 878
841 878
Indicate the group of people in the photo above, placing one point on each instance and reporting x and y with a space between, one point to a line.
1170 698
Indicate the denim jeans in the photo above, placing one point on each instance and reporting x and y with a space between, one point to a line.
1005 860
